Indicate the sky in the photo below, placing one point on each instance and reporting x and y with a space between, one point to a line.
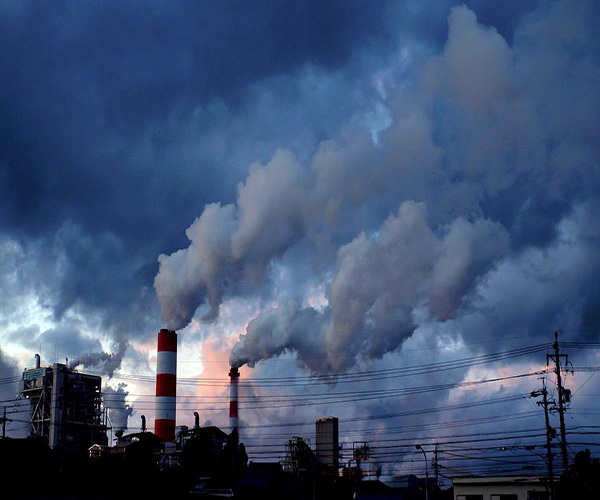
304 189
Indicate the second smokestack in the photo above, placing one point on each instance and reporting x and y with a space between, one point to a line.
234 374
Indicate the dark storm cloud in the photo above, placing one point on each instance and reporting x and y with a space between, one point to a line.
88 80
9 389
8 369
56 343
120 123
428 20
542 290
98 98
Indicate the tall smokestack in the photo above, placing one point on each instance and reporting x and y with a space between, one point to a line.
234 374
166 384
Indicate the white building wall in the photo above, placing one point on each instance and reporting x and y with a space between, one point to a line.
480 489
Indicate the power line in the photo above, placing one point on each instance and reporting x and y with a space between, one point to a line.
362 376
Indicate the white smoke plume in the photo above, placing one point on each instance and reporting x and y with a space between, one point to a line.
379 282
231 246
475 152
107 362
118 409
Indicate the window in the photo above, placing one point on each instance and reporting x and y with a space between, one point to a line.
505 497
469 497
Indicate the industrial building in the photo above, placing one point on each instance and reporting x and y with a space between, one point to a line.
327 445
65 406
66 413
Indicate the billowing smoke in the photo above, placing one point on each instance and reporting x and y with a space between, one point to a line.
106 362
380 281
118 409
484 158
273 332
232 246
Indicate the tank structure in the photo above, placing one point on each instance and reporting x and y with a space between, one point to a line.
65 406
166 386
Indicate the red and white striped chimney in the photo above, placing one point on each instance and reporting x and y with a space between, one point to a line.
166 385
234 374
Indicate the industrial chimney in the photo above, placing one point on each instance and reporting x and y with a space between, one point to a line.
166 384
234 374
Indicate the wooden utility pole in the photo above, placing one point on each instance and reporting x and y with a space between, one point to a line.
435 466
561 396
550 433
4 420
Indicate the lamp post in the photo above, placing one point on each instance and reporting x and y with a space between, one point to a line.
419 447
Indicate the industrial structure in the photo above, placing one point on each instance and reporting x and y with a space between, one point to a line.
166 385
327 446
234 375
299 457
67 414
65 406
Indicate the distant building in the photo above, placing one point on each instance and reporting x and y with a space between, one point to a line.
212 438
327 442
138 445
65 406
299 458
411 482
500 488
98 451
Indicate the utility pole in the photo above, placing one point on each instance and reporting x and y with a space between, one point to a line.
419 447
435 465
4 420
561 408
550 433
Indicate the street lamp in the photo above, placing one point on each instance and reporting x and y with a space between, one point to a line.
419 447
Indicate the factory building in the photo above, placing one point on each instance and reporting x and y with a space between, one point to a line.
65 406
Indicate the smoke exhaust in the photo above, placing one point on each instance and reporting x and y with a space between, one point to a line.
234 375
166 385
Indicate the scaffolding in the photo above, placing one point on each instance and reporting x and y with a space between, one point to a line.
65 406
299 458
